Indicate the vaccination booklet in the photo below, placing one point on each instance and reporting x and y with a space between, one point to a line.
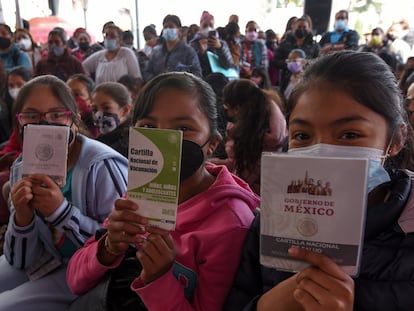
314 203
45 151
154 174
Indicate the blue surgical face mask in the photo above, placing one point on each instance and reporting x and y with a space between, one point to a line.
340 24
58 50
169 34
110 44
376 173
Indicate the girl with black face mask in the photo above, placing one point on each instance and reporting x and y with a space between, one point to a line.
10 53
193 266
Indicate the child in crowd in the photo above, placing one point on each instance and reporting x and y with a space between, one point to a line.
348 100
256 124
296 62
194 265
82 87
47 222
111 106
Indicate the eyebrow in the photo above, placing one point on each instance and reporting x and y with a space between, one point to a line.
298 121
179 118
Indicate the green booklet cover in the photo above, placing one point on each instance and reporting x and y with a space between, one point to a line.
154 174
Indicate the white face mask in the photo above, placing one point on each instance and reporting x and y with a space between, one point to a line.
376 173
14 92
24 43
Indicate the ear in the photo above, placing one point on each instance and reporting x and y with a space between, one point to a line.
213 143
398 140
125 110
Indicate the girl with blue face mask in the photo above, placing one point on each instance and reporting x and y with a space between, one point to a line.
336 110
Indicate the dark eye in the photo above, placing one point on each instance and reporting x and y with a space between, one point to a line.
57 115
300 136
148 125
31 115
350 135
183 128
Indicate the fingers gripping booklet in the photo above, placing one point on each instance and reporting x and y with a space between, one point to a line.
45 151
314 203
154 174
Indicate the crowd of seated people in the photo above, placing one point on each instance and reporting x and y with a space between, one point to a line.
233 90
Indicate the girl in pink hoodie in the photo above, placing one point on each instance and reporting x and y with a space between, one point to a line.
192 267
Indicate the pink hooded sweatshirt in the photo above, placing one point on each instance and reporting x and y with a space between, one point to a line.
209 235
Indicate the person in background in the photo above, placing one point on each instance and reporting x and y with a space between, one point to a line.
260 78
191 32
272 44
409 104
253 51
133 85
208 40
83 43
193 265
256 124
173 54
396 44
288 27
342 108
301 37
217 82
407 75
82 87
24 40
407 33
111 106
233 39
10 53
151 39
98 46
296 62
5 126
16 79
378 45
58 62
128 40
341 38
114 61
47 222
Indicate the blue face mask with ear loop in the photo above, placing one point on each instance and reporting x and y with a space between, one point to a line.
377 175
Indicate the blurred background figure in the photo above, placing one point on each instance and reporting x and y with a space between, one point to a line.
10 53
59 62
24 40
83 44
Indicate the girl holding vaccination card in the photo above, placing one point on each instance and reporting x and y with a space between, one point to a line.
48 223
346 103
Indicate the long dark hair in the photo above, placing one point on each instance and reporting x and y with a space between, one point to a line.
252 121
369 81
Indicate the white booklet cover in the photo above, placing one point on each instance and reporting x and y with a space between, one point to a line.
45 151
314 203
154 174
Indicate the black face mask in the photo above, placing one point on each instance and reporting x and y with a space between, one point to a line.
300 33
4 43
83 45
71 135
192 157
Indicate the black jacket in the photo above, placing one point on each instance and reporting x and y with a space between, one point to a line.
386 279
